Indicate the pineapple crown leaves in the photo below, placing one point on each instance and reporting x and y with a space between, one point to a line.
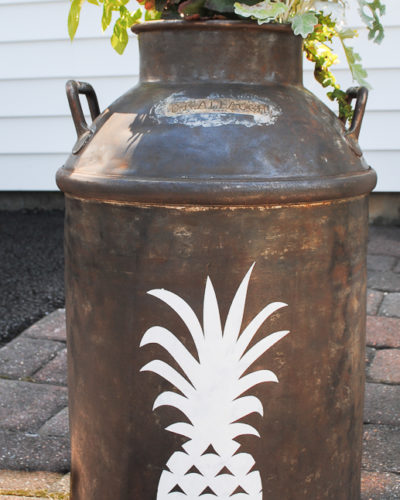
223 356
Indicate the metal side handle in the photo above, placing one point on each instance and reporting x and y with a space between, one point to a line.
361 96
73 89
353 132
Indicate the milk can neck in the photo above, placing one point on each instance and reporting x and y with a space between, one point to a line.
219 51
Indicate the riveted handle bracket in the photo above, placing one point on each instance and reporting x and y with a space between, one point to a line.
84 133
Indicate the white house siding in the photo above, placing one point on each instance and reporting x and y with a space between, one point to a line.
37 58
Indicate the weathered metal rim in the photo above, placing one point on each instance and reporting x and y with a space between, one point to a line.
216 191
212 24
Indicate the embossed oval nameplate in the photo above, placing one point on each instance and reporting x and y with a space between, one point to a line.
215 111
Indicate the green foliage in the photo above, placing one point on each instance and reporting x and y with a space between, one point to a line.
125 19
317 51
73 17
263 12
220 6
354 62
191 8
316 21
303 24
370 12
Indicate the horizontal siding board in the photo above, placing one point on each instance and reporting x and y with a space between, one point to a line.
28 2
54 134
96 57
37 171
33 14
36 135
374 56
380 131
391 5
387 166
37 97
391 18
93 57
383 96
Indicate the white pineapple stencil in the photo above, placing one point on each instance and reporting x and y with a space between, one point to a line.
209 467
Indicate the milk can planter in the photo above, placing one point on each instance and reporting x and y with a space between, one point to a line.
215 240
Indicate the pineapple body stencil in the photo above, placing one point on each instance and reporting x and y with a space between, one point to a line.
210 465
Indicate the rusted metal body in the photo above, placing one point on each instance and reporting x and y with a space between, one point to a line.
218 159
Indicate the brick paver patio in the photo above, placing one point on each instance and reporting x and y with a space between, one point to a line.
33 394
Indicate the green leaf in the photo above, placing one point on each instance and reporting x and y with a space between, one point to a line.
347 33
124 17
94 2
333 8
303 24
220 5
370 12
136 16
73 17
263 11
151 15
354 60
107 16
119 39
191 7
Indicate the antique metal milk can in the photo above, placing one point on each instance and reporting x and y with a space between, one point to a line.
216 223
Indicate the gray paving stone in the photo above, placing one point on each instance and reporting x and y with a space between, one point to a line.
382 404
396 268
385 367
57 425
25 451
380 486
380 262
23 356
387 281
25 406
55 372
374 300
383 332
369 355
51 327
384 241
390 305
381 450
